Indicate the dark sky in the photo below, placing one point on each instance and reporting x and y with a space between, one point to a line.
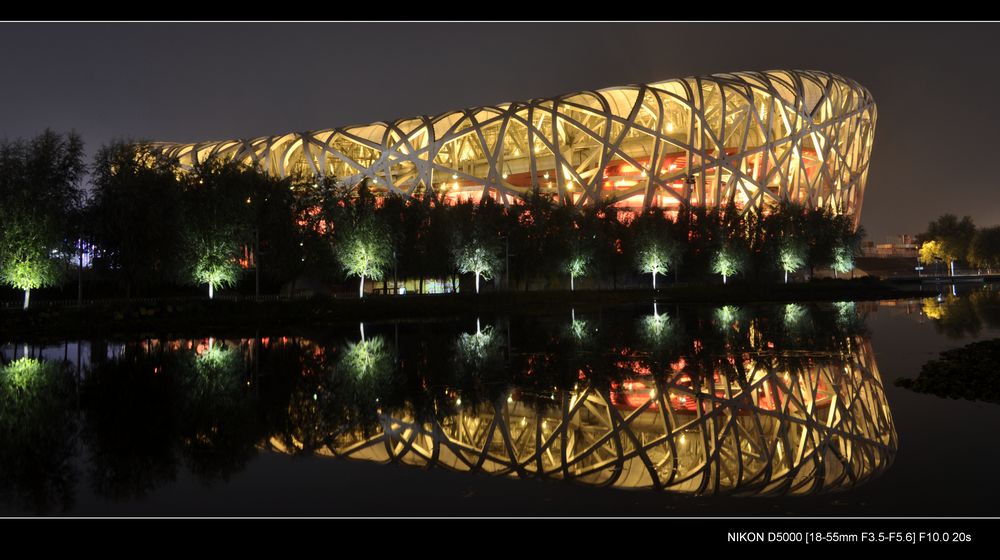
936 85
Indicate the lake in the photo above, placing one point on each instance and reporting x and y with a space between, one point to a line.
634 410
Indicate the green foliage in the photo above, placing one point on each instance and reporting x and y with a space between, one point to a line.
843 259
985 248
213 261
135 215
729 260
368 359
27 242
364 246
791 254
953 235
38 424
478 253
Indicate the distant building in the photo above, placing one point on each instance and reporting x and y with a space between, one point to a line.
903 245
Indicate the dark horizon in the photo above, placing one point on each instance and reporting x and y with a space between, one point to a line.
209 81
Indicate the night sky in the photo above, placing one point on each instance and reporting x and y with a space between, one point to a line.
936 85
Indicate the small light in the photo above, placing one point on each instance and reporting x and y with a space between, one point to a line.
505 175
315 397
546 175
248 200
458 401
652 394
454 175
510 399
670 127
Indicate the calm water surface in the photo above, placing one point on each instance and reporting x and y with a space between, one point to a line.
639 410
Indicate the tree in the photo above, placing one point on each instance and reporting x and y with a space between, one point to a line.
654 250
655 256
843 260
954 235
216 226
847 246
135 214
931 251
364 247
984 251
728 260
477 253
577 264
580 247
791 255
27 241
39 197
212 262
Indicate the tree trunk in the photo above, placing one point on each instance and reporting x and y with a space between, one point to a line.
786 277
211 291
572 287
654 280
27 297
477 282
723 278
361 287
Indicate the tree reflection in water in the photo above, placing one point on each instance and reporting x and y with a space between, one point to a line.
969 372
735 400
37 429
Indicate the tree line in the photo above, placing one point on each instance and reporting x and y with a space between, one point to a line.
952 240
151 227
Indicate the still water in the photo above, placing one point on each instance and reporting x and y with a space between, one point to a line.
635 410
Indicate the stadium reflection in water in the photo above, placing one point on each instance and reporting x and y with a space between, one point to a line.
768 424
770 400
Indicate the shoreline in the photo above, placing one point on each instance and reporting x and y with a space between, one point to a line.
168 316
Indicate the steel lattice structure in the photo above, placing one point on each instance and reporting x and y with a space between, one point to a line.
821 425
750 137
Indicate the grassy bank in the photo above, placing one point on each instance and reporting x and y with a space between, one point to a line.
203 315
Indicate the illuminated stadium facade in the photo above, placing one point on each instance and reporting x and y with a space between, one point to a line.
753 138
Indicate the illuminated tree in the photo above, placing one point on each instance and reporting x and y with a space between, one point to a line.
216 223
655 254
843 259
931 251
479 254
27 241
791 255
213 262
954 236
728 260
364 248
577 265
